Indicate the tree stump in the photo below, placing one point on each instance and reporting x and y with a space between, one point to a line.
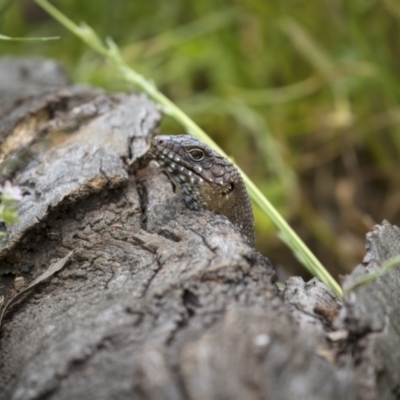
142 298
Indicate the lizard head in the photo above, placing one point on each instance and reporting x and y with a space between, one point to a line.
203 175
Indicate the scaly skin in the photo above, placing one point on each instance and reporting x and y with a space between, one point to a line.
206 179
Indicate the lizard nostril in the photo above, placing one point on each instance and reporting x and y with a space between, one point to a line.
161 142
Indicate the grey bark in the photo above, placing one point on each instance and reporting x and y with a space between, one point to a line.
147 299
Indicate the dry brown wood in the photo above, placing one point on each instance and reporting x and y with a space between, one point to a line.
157 301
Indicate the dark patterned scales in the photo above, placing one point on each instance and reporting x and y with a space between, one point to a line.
206 179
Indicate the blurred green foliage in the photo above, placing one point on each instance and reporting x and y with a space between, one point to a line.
302 94
9 197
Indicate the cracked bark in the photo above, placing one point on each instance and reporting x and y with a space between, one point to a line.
157 301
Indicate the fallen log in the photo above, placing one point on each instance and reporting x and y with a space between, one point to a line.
128 294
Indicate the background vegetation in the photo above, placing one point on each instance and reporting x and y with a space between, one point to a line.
303 94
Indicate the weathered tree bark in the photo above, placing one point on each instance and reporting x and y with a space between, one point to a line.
152 300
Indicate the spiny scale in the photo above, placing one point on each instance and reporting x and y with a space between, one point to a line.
206 179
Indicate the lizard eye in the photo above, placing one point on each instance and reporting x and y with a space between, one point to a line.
196 154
